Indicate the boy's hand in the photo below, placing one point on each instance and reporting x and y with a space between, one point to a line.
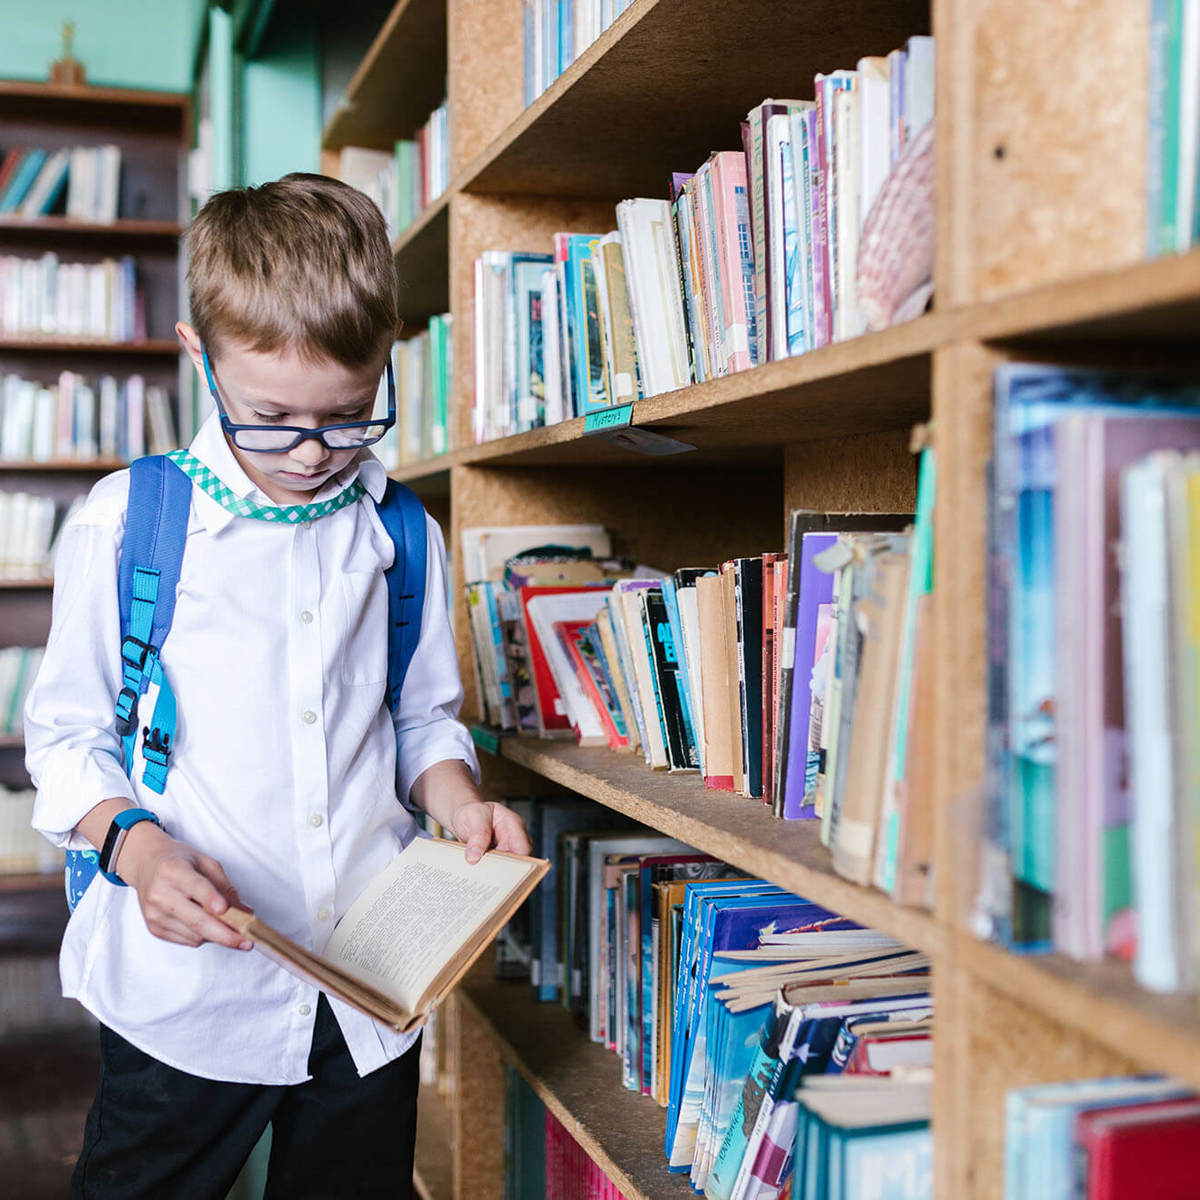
182 892
482 825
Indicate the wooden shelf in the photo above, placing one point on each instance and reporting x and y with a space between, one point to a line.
433 1174
12 741
20 585
668 83
86 465
32 881
1100 1000
579 1081
873 383
63 228
422 254
399 83
33 914
62 103
743 832
430 475
56 345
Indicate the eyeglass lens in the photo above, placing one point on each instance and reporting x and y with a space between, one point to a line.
266 438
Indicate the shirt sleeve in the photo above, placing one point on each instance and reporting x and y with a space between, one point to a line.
428 730
72 750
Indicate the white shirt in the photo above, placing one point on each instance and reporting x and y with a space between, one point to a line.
286 769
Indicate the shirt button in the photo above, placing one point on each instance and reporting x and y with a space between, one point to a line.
306 617
304 1010
316 820
322 914
308 716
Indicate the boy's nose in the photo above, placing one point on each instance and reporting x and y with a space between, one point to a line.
310 452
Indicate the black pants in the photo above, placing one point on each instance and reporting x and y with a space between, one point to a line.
155 1133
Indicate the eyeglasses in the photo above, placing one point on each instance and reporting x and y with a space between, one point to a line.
279 439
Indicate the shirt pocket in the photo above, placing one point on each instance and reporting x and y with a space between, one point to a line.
364 648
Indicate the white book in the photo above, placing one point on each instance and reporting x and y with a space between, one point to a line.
918 86
79 184
544 612
109 431
845 170
85 422
18 524
654 743
6 528
777 141
18 441
1189 124
551 359
689 621
35 550
874 140
486 548
162 428
106 172
655 298
44 414
135 417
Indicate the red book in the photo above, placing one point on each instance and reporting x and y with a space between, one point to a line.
8 167
1147 1151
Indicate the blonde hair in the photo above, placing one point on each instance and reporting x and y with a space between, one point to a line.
303 263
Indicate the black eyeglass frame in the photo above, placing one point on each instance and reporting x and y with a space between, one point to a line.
302 435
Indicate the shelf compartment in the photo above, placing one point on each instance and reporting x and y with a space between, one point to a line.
422 255
739 830
399 83
871 384
669 82
433 1174
579 1081
1099 1000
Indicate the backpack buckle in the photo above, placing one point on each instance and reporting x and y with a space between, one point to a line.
156 746
126 711
135 652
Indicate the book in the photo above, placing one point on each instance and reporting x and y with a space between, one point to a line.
413 932
1146 1150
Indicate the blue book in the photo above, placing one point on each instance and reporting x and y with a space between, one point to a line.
22 180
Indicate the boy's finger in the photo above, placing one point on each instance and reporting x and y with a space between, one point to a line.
477 846
197 915
212 871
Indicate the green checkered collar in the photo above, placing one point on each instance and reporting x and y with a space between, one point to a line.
223 489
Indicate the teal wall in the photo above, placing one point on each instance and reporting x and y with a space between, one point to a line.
121 43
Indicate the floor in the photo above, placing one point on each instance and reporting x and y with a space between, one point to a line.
46 1085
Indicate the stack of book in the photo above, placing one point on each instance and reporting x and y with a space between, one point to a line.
23 850
1094 541
1102 1139
42 297
18 668
29 529
81 418
78 181
557 32
800 679
541 1158
421 365
1173 136
407 179
755 257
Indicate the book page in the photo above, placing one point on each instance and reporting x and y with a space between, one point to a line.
425 910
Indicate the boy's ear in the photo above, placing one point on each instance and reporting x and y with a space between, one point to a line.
189 339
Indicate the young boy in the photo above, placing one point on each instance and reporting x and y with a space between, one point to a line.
290 781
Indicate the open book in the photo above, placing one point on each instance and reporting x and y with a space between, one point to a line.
412 934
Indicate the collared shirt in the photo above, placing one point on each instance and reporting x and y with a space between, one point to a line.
287 767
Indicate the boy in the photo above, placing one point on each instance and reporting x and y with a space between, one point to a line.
288 772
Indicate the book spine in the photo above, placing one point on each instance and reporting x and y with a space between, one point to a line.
756 181
820 227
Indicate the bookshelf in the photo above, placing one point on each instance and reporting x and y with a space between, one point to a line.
153 130
1039 254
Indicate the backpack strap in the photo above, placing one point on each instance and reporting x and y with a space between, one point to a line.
403 517
160 497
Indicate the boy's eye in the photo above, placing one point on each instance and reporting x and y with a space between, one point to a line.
268 418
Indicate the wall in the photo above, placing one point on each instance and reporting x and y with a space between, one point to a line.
121 43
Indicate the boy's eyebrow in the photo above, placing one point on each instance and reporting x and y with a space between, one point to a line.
280 408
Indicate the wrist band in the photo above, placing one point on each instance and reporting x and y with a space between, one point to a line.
122 823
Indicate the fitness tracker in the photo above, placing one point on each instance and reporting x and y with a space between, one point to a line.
122 823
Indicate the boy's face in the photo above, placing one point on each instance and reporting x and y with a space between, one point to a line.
284 389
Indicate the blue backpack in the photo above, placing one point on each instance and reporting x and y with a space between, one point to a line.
160 497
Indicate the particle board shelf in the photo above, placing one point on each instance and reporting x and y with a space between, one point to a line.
579 1081
12 741
1100 1000
66 228
422 255
147 347
86 465
430 476
21 585
33 914
873 383
60 102
668 83
433 1173
1153 301
399 83
741 831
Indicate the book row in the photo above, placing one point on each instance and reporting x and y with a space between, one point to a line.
43 297
18 668
557 32
22 850
541 1158
83 418
720 994
1173 134
29 529
403 182
421 365
1094 695
796 678
1102 1139
76 181
818 229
